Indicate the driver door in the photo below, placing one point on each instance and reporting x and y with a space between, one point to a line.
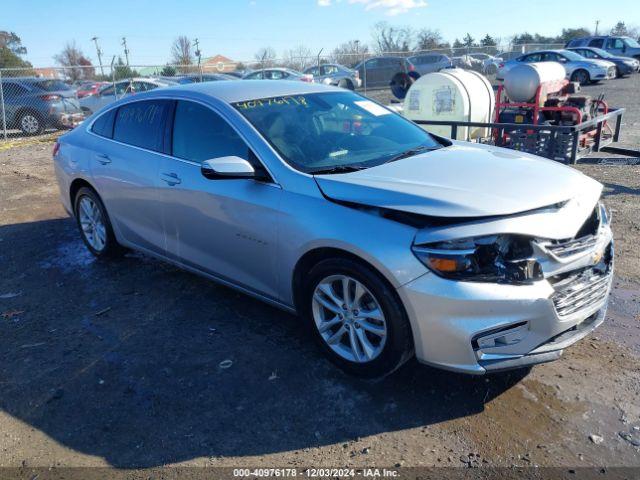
223 227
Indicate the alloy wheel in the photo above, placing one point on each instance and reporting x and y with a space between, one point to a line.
92 224
29 124
349 318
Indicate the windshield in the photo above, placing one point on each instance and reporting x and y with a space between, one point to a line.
320 131
631 42
573 56
602 53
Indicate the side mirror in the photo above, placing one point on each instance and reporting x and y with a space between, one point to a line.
227 168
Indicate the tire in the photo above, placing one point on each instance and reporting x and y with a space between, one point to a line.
30 123
104 244
581 76
346 84
384 353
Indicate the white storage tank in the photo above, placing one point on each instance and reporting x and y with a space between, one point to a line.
452 94
522 81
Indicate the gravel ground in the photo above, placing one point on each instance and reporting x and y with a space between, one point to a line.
121 364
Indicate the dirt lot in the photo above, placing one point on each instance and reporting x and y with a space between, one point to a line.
118 364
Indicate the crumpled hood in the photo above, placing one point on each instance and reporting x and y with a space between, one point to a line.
461 181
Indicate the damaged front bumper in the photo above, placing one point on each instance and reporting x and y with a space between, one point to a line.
477 328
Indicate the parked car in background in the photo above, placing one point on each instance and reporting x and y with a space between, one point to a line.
387 241
429 62
616 45
379 71
278 74
197 78
335 74
89 88
624 65
112 92
578 68
33 104
489 62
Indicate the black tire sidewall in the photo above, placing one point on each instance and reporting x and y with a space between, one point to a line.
112 248
584 73
398 345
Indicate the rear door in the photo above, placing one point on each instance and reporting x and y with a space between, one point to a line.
125 170
227 228
615 46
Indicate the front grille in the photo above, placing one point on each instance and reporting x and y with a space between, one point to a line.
580 291
572 247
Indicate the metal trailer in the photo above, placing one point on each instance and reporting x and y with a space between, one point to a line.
564 143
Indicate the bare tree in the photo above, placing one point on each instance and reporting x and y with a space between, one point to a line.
429 40
389 38
265 57
299 58
182 53
349 53
77 65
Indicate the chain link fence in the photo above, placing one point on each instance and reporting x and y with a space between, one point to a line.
35 101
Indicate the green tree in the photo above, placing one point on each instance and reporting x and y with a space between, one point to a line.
468 41
488 41
11 50
457 44
122 70
168 71
571 33
620 29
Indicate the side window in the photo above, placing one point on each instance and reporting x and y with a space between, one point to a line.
617 44
103 125
255 76
313 71
107 91
201 134
597 43
141 124
10 89
373 63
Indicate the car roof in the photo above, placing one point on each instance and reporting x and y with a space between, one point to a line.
231 92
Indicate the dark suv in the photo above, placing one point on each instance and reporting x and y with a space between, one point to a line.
33 104
380 71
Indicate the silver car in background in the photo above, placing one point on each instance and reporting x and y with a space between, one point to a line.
335 74
115 91
578 68
387 241
277 73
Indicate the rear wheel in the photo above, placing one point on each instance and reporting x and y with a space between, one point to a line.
344 83
30 123
94 224
356 317
581 76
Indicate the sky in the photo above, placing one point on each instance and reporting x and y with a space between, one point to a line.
238 28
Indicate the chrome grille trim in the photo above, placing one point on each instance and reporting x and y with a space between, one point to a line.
581 291
572 247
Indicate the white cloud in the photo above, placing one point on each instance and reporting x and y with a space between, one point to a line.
390 7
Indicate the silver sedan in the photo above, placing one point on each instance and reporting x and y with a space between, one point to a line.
387 241
578 68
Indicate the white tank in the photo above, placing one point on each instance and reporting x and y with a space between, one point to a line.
451 94
522 81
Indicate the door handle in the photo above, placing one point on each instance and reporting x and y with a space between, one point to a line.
104 159
170 178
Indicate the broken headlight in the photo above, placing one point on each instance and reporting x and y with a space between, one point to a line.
495 258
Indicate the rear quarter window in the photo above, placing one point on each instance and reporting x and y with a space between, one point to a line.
142 124
103 125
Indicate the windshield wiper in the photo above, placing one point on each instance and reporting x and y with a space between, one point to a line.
411 152
337 169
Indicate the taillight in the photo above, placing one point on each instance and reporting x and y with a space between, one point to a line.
56 147
500 65
50 98
412 67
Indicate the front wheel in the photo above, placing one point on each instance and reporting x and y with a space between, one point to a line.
581 76
94 224
357 318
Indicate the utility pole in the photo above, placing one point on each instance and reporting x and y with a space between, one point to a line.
99 52
597 23
198 54
126 50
